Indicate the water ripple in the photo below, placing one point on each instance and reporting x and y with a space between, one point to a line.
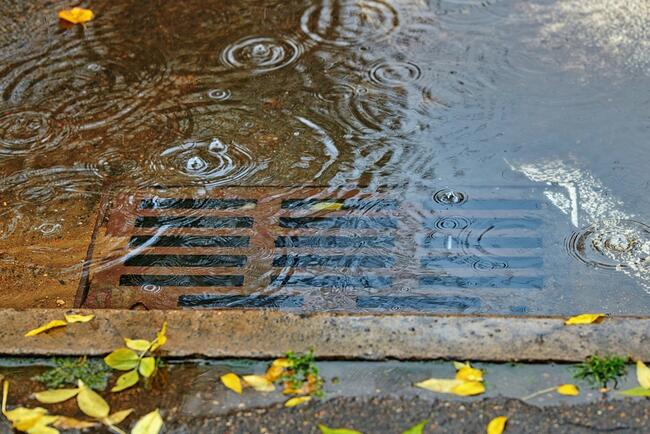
261 53
23 130
348 22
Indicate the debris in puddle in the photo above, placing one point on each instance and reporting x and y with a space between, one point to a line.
138 359
76 15
586 318
497 425
643 377
468 382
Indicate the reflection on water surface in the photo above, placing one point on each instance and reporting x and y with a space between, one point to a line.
410 97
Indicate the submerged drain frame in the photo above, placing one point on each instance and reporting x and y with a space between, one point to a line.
317 249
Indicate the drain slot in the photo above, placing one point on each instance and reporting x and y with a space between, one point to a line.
189 241
336 261
194 222
165 203
483 282
333 204
334 241
186 261
449 242
333 281
338 222
180 280
482 262
242 301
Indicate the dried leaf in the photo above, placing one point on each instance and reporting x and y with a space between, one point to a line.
327 206
497 425
440 385
137 344
467 373
65 422
91 403
417 429
643 374
149 424
297 401
259 383
125 381
469 388
326 430
118 417
76 15
147 366
38 425
232 382
22 417
274 373
50 325
586 318
5 395
637 391
161 337
122 359
72 318
568 390
55 395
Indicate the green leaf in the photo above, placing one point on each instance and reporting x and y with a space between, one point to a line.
137 344
122 359
149 424
326 430
147 366
637 391
55 396
417 429
126 380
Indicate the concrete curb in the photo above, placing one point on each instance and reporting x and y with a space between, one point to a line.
267 334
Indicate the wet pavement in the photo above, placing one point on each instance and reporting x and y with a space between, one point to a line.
370 397
412 98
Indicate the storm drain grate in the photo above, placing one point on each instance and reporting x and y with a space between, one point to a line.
319 249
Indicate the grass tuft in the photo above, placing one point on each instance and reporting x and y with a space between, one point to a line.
600 371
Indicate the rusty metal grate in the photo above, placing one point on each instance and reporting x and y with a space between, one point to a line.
319 249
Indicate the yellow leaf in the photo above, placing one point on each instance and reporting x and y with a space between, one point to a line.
297 401
65 422
586 318
50 325
161 337
643 374
259 383
468 388
459 365
91 403
122 359
147 366
467 373
78 318
327 206
125 381
326 430
440 385
282 363
418 428
232 382
149 424
274 373
56 395
137 344
22 414
497 425
5 395
568 390
76 15
41 426
118 417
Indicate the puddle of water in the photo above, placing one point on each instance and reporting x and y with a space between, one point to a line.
424 97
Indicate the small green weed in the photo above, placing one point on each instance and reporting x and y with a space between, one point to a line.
600 371
94 373
304 371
